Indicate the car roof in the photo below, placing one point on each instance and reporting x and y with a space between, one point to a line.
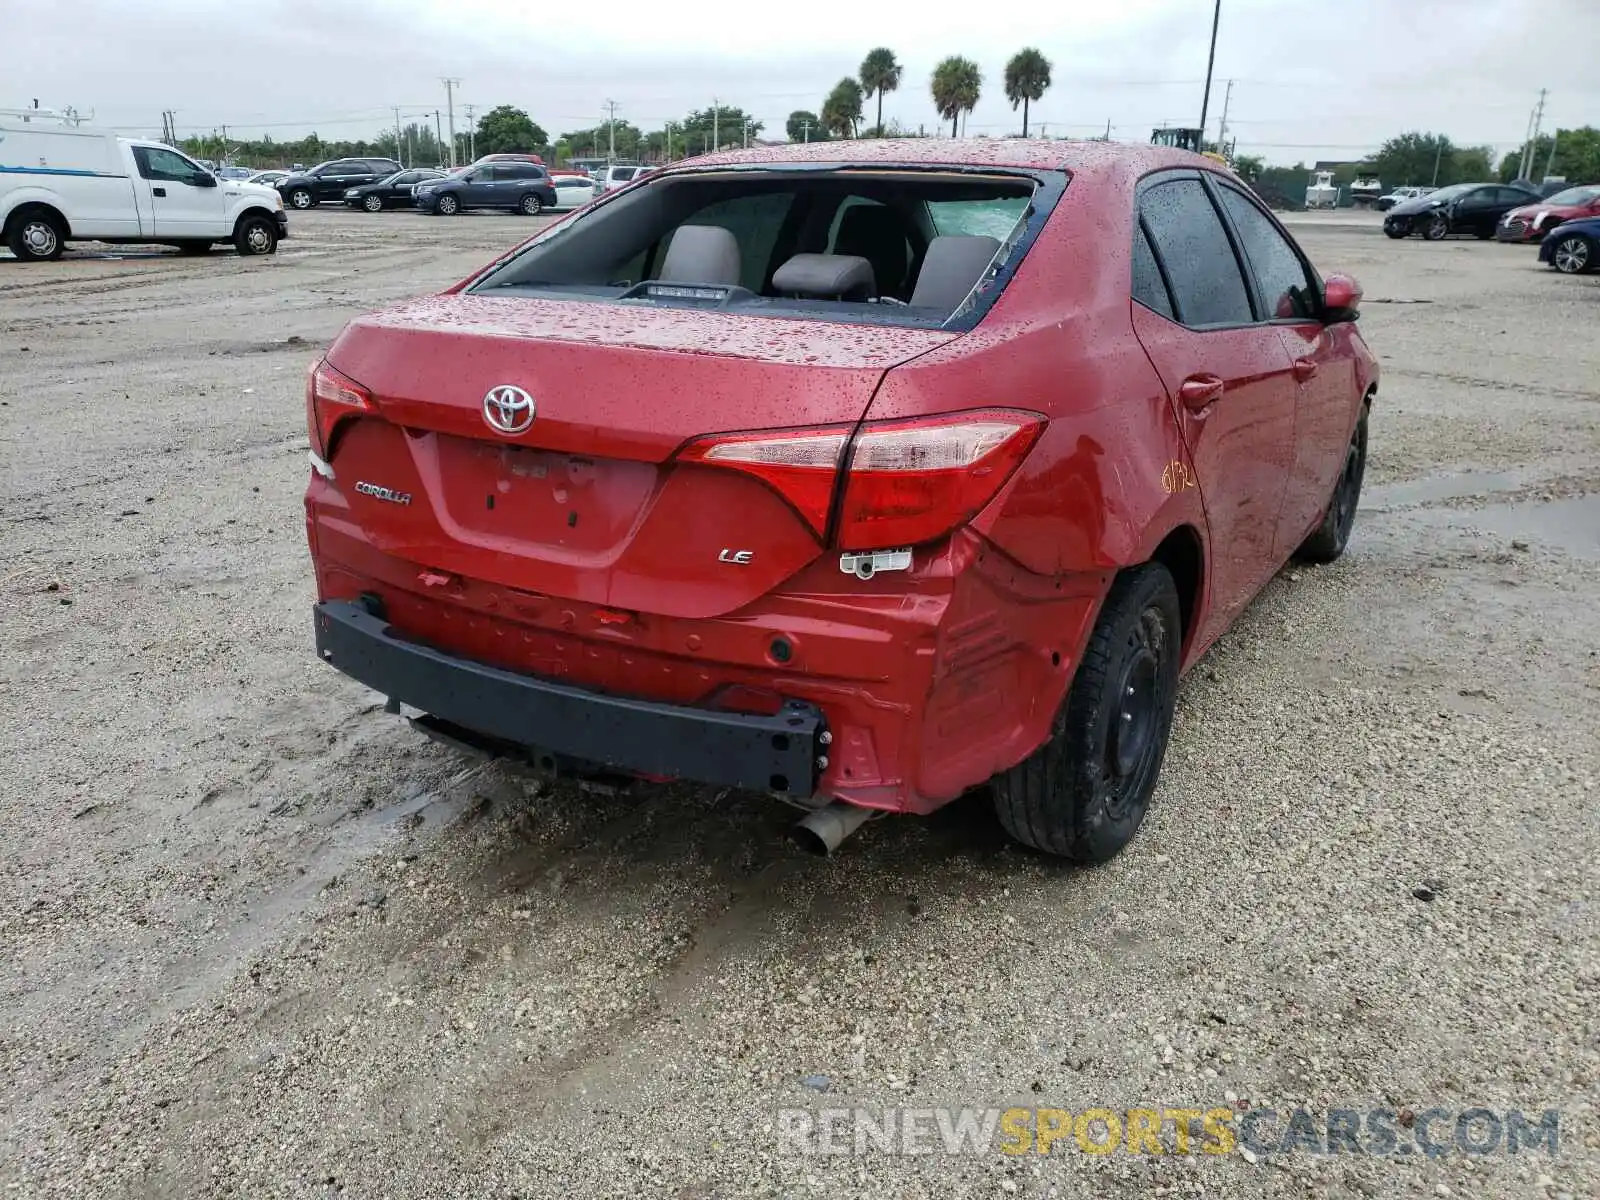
1038 153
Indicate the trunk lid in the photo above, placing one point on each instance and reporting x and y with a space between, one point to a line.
586 504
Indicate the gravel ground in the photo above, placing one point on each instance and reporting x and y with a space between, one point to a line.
258 938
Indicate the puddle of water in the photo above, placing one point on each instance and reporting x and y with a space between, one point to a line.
1435 488
1571 525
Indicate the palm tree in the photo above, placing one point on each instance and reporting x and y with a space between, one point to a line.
842 109
880 73
956 84
1027 78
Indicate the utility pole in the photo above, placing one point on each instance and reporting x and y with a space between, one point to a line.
1550 163
450 86
1205 100
399 146
1529 149
1437 155
805 131
472 136
611 130
438 137
1538 121
716 133
1222 130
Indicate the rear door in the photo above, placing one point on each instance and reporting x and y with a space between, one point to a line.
185 199
1230 378
1287 296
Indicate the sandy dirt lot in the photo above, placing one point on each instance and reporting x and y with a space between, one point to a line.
259 938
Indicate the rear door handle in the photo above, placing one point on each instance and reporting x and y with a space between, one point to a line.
159 191
1200 392
1304 368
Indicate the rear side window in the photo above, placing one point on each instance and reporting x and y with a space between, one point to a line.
984 218
1286 290
1149 289
1187 233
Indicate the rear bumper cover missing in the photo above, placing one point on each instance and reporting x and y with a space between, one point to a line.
777 753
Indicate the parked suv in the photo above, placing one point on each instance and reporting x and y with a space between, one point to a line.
518 186
893 473
330 180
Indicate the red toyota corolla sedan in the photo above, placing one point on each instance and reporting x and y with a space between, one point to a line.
898 468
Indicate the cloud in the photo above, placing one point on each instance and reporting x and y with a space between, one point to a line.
1312 80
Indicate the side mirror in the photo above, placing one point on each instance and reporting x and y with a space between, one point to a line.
205 181
1341 299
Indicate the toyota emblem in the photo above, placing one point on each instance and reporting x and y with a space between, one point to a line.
508 409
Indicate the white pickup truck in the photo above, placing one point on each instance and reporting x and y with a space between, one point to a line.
61 182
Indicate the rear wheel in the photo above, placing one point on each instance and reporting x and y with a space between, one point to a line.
530 205
36 235
1084 793
447 206
373 204
302 198
1575 254
1328 540
1437 228
255 235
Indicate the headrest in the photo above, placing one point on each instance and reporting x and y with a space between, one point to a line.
701 254
826 277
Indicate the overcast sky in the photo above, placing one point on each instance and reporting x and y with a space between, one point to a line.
1314 78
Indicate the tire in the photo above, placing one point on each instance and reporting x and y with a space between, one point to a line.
372 203
530 205
1575 254
255 235
1332 535
447 206
302 199
1437 229
36 235
1083 794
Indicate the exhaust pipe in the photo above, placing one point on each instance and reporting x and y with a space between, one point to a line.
821 831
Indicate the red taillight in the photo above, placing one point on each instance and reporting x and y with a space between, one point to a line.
914 481
800 465
906 482
330 398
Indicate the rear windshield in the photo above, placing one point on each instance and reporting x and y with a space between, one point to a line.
925 247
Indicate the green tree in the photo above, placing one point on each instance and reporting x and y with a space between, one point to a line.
1411 158
1577 156
841 111
880 73
508 130
1473 163
803 126
708 129
956 85
1027 78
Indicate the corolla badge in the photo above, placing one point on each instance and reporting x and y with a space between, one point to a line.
508 409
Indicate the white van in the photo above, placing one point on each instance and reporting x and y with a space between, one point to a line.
61 182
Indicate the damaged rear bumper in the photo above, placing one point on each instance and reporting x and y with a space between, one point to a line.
780 753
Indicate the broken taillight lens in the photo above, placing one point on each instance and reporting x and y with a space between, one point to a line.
905 482
331 397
